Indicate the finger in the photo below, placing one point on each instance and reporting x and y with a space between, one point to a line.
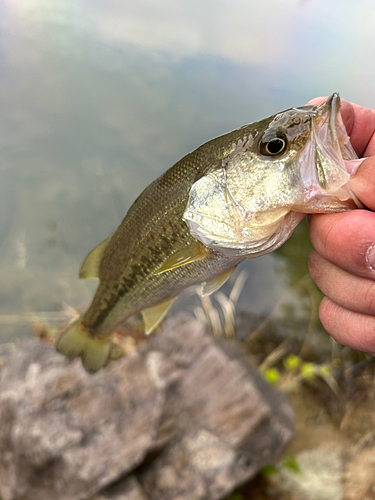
353 293
347 240
349 328
363 183
359 123
362 134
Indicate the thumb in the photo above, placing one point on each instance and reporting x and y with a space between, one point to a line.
363 183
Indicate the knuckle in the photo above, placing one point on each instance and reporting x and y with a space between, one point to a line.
327 314
369 297
312 263
315 267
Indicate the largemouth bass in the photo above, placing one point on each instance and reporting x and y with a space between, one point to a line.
237 196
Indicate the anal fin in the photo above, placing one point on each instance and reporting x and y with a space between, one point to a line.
153 316
191 253
214 284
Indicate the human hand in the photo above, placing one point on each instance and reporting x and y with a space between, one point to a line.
343 262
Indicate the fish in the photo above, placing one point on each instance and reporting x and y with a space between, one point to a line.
237 196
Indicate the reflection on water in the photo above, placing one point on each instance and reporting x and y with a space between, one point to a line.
97 100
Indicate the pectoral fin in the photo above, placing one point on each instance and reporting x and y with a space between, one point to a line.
90 266
217 282
153 316
195 251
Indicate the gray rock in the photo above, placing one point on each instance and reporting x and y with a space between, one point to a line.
128 489
65 434
185 417
319 477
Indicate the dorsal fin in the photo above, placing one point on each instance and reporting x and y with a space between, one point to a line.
90 266
153 316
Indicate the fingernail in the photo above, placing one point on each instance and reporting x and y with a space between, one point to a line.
370 257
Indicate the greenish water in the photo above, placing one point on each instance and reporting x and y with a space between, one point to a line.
98 99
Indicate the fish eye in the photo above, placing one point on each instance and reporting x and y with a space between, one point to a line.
273 145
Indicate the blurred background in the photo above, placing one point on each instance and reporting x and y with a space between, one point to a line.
97 99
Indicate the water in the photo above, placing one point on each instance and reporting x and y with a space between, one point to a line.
97 99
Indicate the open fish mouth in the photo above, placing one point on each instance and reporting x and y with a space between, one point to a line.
326 163
252 204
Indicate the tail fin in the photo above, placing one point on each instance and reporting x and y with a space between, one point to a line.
77 341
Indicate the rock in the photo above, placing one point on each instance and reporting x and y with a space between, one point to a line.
185 417
128 489
62 431
319 477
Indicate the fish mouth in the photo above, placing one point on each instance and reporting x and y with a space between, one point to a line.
325 164
332 131
314 179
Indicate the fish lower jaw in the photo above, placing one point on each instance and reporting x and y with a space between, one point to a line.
325 204
258 242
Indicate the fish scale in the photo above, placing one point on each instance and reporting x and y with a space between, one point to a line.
156 221
238 196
